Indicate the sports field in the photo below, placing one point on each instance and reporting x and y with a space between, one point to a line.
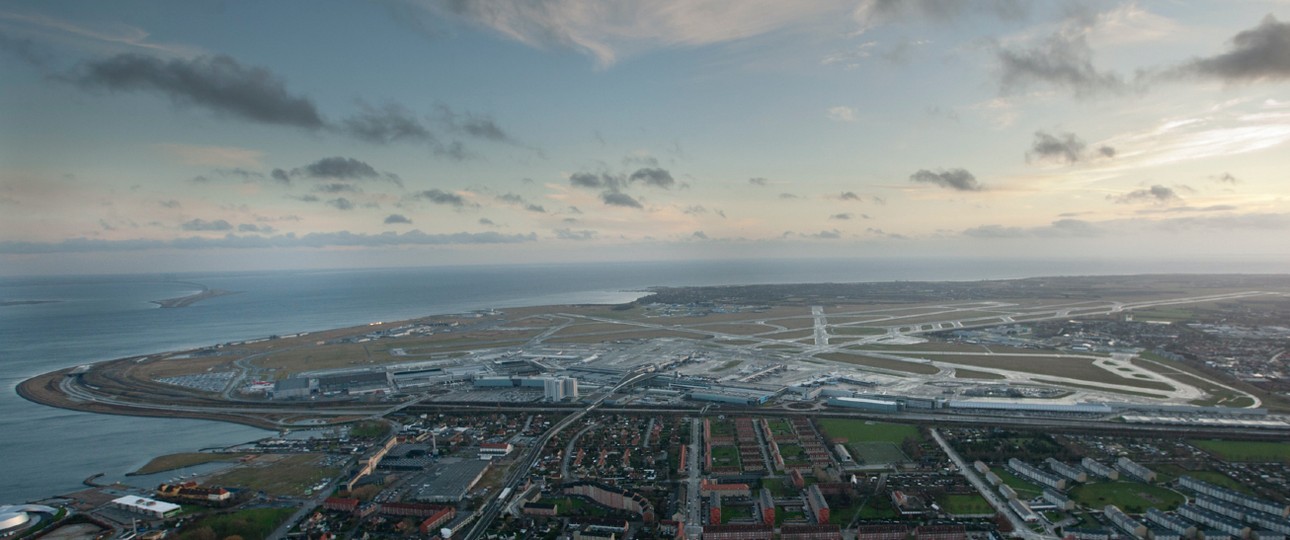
1257 451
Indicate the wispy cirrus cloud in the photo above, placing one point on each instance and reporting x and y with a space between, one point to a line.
608 30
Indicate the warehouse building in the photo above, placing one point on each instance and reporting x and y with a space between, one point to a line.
148 507
876 405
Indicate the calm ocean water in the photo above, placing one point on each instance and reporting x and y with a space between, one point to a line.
49 451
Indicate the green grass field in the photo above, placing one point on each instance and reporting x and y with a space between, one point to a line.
1025 488
1169 473
1245 450
255 524
972 503
877 453
723 456
288 475
864 431
1132 497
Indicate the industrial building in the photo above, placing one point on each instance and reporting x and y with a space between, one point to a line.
294 388
876 405
355 382
148 507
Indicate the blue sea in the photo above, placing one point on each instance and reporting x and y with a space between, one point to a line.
49 451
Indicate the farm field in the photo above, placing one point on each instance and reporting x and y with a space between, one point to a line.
1245 450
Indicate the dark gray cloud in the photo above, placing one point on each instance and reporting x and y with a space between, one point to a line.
885 234
387 124
219 84
699 235
305 198
850 196
511 198
1226 178
570 234
341 203
595 181
169 203
826 235
486 222
1155 194
253 228
956 179
339 167
397 218
203 225
25 49
1260 53
1064 60
616 198
1063 147
337 187
759 181
842 216
438 196
281 176
518 200
472 125
695 209
653 177
231 241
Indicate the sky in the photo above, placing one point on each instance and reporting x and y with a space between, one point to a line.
176 136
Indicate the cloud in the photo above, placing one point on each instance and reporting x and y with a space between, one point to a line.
1155 194
826 235
616 198
486 222
593 180
25 49
228 159
870 13
609 30
570 234
339 167
1063 147
341 203
842 114
337 187
231 241
387 124
397 218
1184 209
1063 60
169 203
219 84
1258 54
885 234
956 179
1226 178
850 196
699 235
758 181
281 176
512 198
653 177
1062 228
1106 151
438 196
253 228
472 125
203 225
842 216
787 196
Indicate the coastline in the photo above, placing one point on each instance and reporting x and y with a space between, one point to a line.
185 301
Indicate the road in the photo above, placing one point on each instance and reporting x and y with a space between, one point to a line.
1020 528
693 509
520 469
